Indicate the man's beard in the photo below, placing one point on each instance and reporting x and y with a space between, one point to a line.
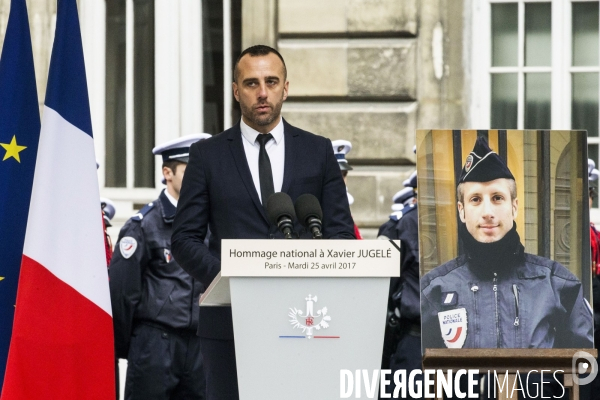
263 119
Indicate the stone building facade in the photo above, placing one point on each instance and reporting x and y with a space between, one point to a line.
369 71
372 72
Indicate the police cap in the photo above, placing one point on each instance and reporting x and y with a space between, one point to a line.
593 173
484 165
340 149
411 181
178 149
404 195
108 210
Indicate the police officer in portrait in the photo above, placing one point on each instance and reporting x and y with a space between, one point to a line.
154 301
495 295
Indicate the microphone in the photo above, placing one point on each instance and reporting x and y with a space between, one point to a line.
280 210
310 214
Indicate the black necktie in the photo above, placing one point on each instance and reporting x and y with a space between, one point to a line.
265 174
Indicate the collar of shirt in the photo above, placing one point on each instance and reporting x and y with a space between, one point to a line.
171 198
275 149
251 134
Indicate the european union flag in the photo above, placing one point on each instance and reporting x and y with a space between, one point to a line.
19 136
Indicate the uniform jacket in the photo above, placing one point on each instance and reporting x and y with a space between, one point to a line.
404 291
147 284
536 303
218 192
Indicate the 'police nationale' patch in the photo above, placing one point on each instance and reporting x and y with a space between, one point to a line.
453 324
127 245
449 298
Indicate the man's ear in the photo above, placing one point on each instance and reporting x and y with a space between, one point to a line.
236 92
286 86
515 207
167 173
461 211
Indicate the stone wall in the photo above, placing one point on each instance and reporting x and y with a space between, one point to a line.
369 71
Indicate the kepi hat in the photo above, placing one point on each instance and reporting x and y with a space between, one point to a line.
340 149
108 210
178 149
411 181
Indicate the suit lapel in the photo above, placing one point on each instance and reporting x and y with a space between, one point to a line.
290 135
241 162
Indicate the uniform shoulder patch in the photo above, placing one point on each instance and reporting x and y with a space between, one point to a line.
140 214
128 246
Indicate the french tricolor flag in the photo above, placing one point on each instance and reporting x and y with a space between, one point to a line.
62 341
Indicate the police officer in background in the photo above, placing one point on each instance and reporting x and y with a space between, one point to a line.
402 350
340 149
593 175
108 213
154 301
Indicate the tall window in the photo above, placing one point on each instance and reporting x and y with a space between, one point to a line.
539 66
584 72
521 65
212 30
116 142
129 93
187 82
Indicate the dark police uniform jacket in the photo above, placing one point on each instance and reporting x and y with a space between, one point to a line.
146 284
536 304
404 291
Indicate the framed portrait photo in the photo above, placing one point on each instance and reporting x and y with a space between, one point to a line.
504 239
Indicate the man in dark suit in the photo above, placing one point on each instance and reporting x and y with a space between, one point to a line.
227 182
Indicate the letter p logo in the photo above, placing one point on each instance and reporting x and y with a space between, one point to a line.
580 363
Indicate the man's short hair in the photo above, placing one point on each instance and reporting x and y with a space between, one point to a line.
172 165
257 51
512 187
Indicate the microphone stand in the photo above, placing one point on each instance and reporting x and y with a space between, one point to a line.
314 225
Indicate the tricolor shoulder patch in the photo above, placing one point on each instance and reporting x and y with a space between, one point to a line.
168 256
127 245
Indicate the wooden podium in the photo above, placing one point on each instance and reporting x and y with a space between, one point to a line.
509 362
303 310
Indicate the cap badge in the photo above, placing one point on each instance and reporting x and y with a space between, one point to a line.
469 163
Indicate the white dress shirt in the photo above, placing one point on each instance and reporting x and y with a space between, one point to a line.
171 198
275 149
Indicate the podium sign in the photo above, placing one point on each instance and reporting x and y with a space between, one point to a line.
310 258
305 309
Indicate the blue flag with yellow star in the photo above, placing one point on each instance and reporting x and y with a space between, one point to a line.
19 136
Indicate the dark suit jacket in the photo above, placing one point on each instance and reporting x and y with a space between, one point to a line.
218 193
